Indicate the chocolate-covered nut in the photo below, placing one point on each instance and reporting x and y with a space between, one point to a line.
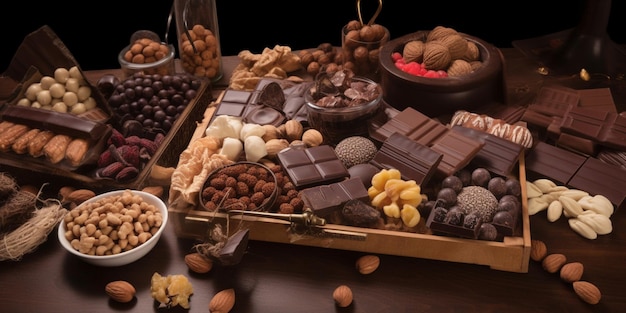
513 187
471 220
454 216
487 232
466 176
453 182
481 177
439 214
355 212
513 199
365 172
503 218
497 186
447 196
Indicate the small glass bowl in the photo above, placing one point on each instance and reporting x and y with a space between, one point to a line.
164 66
339 123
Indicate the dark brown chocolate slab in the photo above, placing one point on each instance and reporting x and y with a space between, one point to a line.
312 166
599 99
413 124
498 155
457 150
325 199
554 100
605 127
548 161
600 178
414 161
578 144
612 156
61 123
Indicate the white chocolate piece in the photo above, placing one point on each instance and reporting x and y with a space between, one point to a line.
24 102
44 97
90 103
70 98
46 82
83 93
59 107
57 90
72 84
32 91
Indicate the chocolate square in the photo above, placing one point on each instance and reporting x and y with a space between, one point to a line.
307 167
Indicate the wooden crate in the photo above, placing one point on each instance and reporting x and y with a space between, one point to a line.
512 254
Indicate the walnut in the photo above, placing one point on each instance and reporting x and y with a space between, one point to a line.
472 53
436 56
459 68
439 32
413 51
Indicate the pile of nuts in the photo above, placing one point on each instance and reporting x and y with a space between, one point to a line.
324 58
569 272
360 46
444 53
205 60
112 225
145 50
66 91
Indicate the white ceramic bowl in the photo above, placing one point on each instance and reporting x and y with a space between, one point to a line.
124 257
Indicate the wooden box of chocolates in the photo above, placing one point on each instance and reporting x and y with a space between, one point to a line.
46 96
318 225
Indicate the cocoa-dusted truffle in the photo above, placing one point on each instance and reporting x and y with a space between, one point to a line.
355 150
479 200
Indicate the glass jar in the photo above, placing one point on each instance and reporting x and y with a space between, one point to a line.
198 38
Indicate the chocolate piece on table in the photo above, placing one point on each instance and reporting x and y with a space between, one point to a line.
232 252
233 102
414 160
536 119
326 199
61 123
554 101
498 155
612 156
307 167
457 150
599 99
604 127
577 144
548 161
413 124
600 178
438 225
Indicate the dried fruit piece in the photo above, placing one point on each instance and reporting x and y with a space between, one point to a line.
120 291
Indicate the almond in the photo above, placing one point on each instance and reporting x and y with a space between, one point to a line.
223 301
198 263
538 250
367 264
120 291
552 263
587 291
80 195
342 296
572 272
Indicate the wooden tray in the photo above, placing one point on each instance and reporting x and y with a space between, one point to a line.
512 254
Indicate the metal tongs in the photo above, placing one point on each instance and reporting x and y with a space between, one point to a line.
307 218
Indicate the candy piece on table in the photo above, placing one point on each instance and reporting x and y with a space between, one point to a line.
307 167
324 200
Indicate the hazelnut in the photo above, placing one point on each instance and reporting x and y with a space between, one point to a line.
343 296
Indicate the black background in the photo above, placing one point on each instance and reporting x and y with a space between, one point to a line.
95 31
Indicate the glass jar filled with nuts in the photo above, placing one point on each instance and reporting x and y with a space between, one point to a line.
198 38
360 44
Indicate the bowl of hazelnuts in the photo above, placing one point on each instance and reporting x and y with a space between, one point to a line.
441 71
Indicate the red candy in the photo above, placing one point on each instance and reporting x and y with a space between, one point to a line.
415 68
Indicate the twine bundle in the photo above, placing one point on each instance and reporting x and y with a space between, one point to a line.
31 234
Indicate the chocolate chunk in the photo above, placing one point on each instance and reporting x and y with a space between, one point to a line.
324 200
312 166
61 123
457 149
272 96
554 101
414 125
577 143
599 99
498 155
358 213
414 160
232 252
442 222
597 177
548 161
605 127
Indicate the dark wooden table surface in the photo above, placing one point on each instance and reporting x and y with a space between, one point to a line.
290 278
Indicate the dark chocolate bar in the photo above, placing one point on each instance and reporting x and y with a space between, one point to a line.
599 99
600 178
457 150
612 156
414 160
498 155
325 199
61 123
413 124
554 101
307 167
548 161
605 127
